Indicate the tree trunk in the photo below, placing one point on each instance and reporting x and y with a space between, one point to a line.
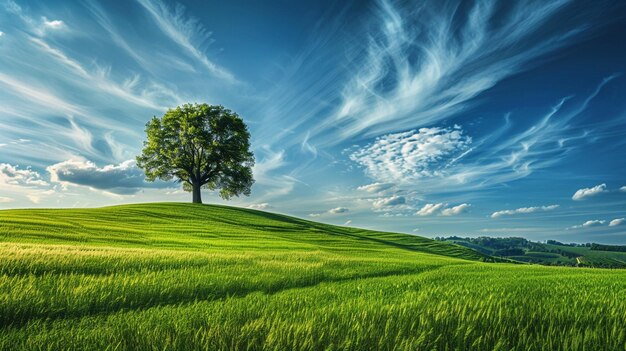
197 197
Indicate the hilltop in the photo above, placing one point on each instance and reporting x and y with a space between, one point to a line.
197 227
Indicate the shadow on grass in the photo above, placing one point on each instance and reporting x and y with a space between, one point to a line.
22 316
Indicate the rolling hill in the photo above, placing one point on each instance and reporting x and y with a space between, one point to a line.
548 253
182 277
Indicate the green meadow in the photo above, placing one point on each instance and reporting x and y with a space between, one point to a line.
198 277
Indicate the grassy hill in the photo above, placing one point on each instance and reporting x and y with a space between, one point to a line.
185 277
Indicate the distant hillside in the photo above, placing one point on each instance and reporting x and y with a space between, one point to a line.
188 226
549 253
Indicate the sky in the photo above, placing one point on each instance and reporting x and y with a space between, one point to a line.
436 118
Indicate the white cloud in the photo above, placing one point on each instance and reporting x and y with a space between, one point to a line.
348 222
13 175
1 33
389 202
617 221
261 206
442 209
121 179
4 199
408 156
588 192
415 230
376 187
456 210
429 209
623 189
53 24
524 210
589 224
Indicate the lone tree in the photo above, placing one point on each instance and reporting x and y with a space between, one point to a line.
202 146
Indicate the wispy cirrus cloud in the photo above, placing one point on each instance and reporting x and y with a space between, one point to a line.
149 94
589 192
184 30
38 27
454 161
524 210
425 63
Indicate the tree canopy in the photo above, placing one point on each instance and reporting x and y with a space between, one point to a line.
202 146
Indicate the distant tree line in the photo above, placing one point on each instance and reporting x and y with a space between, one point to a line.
600 247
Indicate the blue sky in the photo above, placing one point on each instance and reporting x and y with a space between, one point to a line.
429 117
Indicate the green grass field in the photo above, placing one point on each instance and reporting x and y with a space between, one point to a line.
193 277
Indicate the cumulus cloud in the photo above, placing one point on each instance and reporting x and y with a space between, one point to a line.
376 187
429 209
261 206
617 221
456 210
389 202
1 33
53 24
13 175
623 189
589 224
524 210
122 179
589 192
409 156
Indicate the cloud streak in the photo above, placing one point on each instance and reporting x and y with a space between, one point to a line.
589 224
182 30
524 210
